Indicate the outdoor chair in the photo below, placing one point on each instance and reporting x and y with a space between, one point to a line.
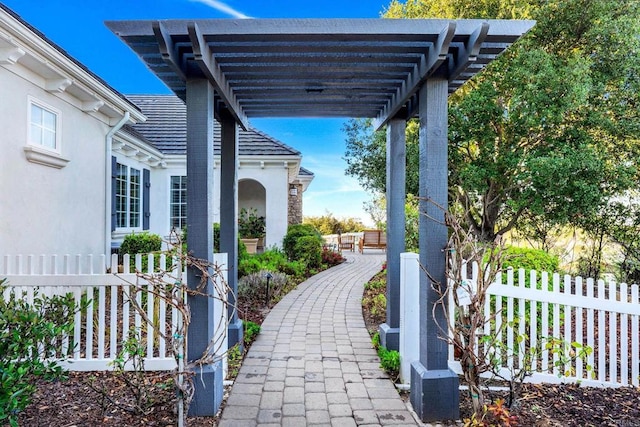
374 239
346 242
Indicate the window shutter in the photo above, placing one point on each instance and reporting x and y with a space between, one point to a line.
146 192
114 174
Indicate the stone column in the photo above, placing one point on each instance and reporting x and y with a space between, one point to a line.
295 205
208 387
229 217
434 387
396 194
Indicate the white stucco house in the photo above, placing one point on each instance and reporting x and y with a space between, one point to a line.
82 165
270 178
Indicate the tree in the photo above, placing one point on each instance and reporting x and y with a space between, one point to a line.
548 132
329 224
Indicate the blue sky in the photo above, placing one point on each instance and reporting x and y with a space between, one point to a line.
78 27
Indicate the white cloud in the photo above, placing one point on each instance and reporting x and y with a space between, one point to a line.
223 7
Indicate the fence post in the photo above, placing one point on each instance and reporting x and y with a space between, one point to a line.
409 314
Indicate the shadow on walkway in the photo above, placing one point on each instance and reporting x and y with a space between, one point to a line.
313 363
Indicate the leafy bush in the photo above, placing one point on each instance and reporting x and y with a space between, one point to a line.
29 333
251 331
216 238
250 225
529 259
309 250
140 243
254 286
389 359
273 260
412 222
331 258
295 232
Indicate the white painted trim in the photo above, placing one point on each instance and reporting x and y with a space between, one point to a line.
31 100
45 157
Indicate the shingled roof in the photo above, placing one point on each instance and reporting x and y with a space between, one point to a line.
166 129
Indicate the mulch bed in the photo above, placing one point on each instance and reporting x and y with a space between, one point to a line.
74 402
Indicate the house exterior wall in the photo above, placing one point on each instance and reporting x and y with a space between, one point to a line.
43 209
273 179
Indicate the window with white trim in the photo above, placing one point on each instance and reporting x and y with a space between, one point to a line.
128 192
43 126
178 202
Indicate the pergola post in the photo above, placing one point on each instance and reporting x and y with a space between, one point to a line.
434 387
208 387
229 217
396 194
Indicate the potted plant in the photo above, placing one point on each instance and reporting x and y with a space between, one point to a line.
251 228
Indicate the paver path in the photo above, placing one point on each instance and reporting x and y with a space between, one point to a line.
313 363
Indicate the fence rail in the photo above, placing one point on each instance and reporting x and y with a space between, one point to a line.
602 315
110 315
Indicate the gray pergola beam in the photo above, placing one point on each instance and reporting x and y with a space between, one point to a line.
167 49
208 387
430 62
229 218
434 387
211 69
396 196
469 52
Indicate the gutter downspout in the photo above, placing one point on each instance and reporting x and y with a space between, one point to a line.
107 197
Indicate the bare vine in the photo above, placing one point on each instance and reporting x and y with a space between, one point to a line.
169 285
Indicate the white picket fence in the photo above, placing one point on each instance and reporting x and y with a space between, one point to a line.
105 324
602 315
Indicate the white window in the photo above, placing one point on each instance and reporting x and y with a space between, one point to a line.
44 126
178 202
128 192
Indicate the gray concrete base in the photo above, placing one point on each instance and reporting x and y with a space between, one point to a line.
389 337
434 394
235 333
208 387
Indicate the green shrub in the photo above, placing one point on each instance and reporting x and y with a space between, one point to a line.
331 257
295 232
389 359
28 333
141 243
390 362
273 260
309 250
529 259
216 238
253 286
251 331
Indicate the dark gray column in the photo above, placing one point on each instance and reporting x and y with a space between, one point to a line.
229 217
434 387
396 194
208 386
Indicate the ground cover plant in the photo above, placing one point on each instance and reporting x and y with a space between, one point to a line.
29 335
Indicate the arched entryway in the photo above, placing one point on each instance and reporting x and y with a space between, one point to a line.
252 194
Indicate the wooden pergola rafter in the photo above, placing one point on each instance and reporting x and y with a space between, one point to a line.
317 67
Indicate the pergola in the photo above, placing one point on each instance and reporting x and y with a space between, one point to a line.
388 70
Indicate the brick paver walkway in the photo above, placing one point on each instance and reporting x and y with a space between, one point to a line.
313 363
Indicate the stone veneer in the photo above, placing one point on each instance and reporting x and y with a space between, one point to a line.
295 205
